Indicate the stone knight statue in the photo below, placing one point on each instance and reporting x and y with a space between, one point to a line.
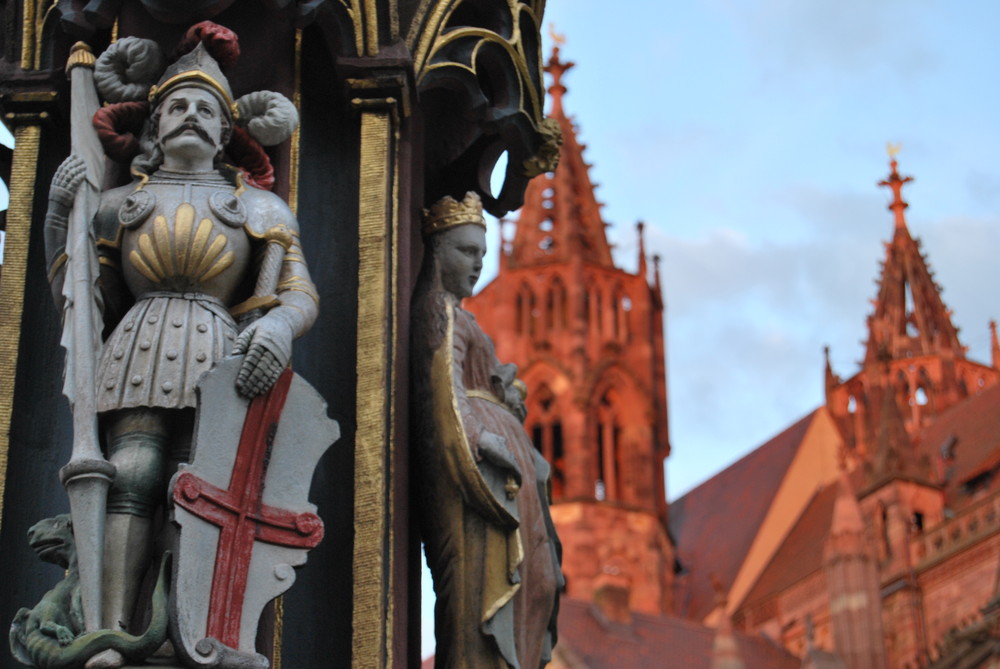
196 264
484 517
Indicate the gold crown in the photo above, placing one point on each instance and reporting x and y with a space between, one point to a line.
449 213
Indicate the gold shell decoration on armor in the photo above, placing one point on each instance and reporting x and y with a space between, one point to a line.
188 253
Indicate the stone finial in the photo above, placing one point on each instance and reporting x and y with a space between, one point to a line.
895 183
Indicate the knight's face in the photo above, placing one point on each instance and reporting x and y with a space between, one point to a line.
191 120
460 254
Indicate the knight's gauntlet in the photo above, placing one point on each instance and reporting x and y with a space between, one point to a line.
65 183
56 221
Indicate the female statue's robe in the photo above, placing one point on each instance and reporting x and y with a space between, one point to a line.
490 544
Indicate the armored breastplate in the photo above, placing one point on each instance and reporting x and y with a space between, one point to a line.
184 233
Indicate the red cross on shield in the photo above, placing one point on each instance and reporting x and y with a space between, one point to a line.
243 511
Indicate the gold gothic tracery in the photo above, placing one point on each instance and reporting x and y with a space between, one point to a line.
36 14
432 39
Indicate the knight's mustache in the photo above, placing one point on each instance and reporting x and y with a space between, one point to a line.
190 125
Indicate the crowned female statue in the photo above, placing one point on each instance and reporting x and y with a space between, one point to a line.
484 518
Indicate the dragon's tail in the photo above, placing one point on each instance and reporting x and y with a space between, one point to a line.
131 647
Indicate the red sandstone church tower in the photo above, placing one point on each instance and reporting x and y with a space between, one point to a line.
588 338
914 367
914 371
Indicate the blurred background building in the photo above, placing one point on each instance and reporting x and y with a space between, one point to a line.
866 534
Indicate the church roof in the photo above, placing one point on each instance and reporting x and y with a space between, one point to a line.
715 524
561 218
967 436
969 433
800 554
649 642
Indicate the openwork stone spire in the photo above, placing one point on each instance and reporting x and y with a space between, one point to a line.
910 317
914 367
561 218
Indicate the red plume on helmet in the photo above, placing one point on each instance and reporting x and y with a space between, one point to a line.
127 74
220 42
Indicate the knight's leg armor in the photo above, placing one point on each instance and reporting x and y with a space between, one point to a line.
137 443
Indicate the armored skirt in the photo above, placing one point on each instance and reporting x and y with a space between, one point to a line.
160 349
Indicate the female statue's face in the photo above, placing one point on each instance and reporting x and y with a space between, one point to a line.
460 254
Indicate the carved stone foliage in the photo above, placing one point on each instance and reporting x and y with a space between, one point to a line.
479 76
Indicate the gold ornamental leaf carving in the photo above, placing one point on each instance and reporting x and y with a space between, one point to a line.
481 59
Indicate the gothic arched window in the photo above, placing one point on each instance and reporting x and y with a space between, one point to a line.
608 436
558 293
545 428
526 311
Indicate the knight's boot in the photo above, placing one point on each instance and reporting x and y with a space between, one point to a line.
136 446
127 550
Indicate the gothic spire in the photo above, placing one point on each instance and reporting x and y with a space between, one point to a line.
910 318
914 367
561 218
657 289
830 379
640 227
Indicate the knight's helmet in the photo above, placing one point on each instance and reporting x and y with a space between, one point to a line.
196 68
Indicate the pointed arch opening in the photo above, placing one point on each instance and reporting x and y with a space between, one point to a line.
559 300
618 313
909 323
527 311
626 311
882 531
544 424
608 440
599 310
549 315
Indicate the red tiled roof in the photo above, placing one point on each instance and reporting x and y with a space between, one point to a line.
801 553
715 524
975 425
660 642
